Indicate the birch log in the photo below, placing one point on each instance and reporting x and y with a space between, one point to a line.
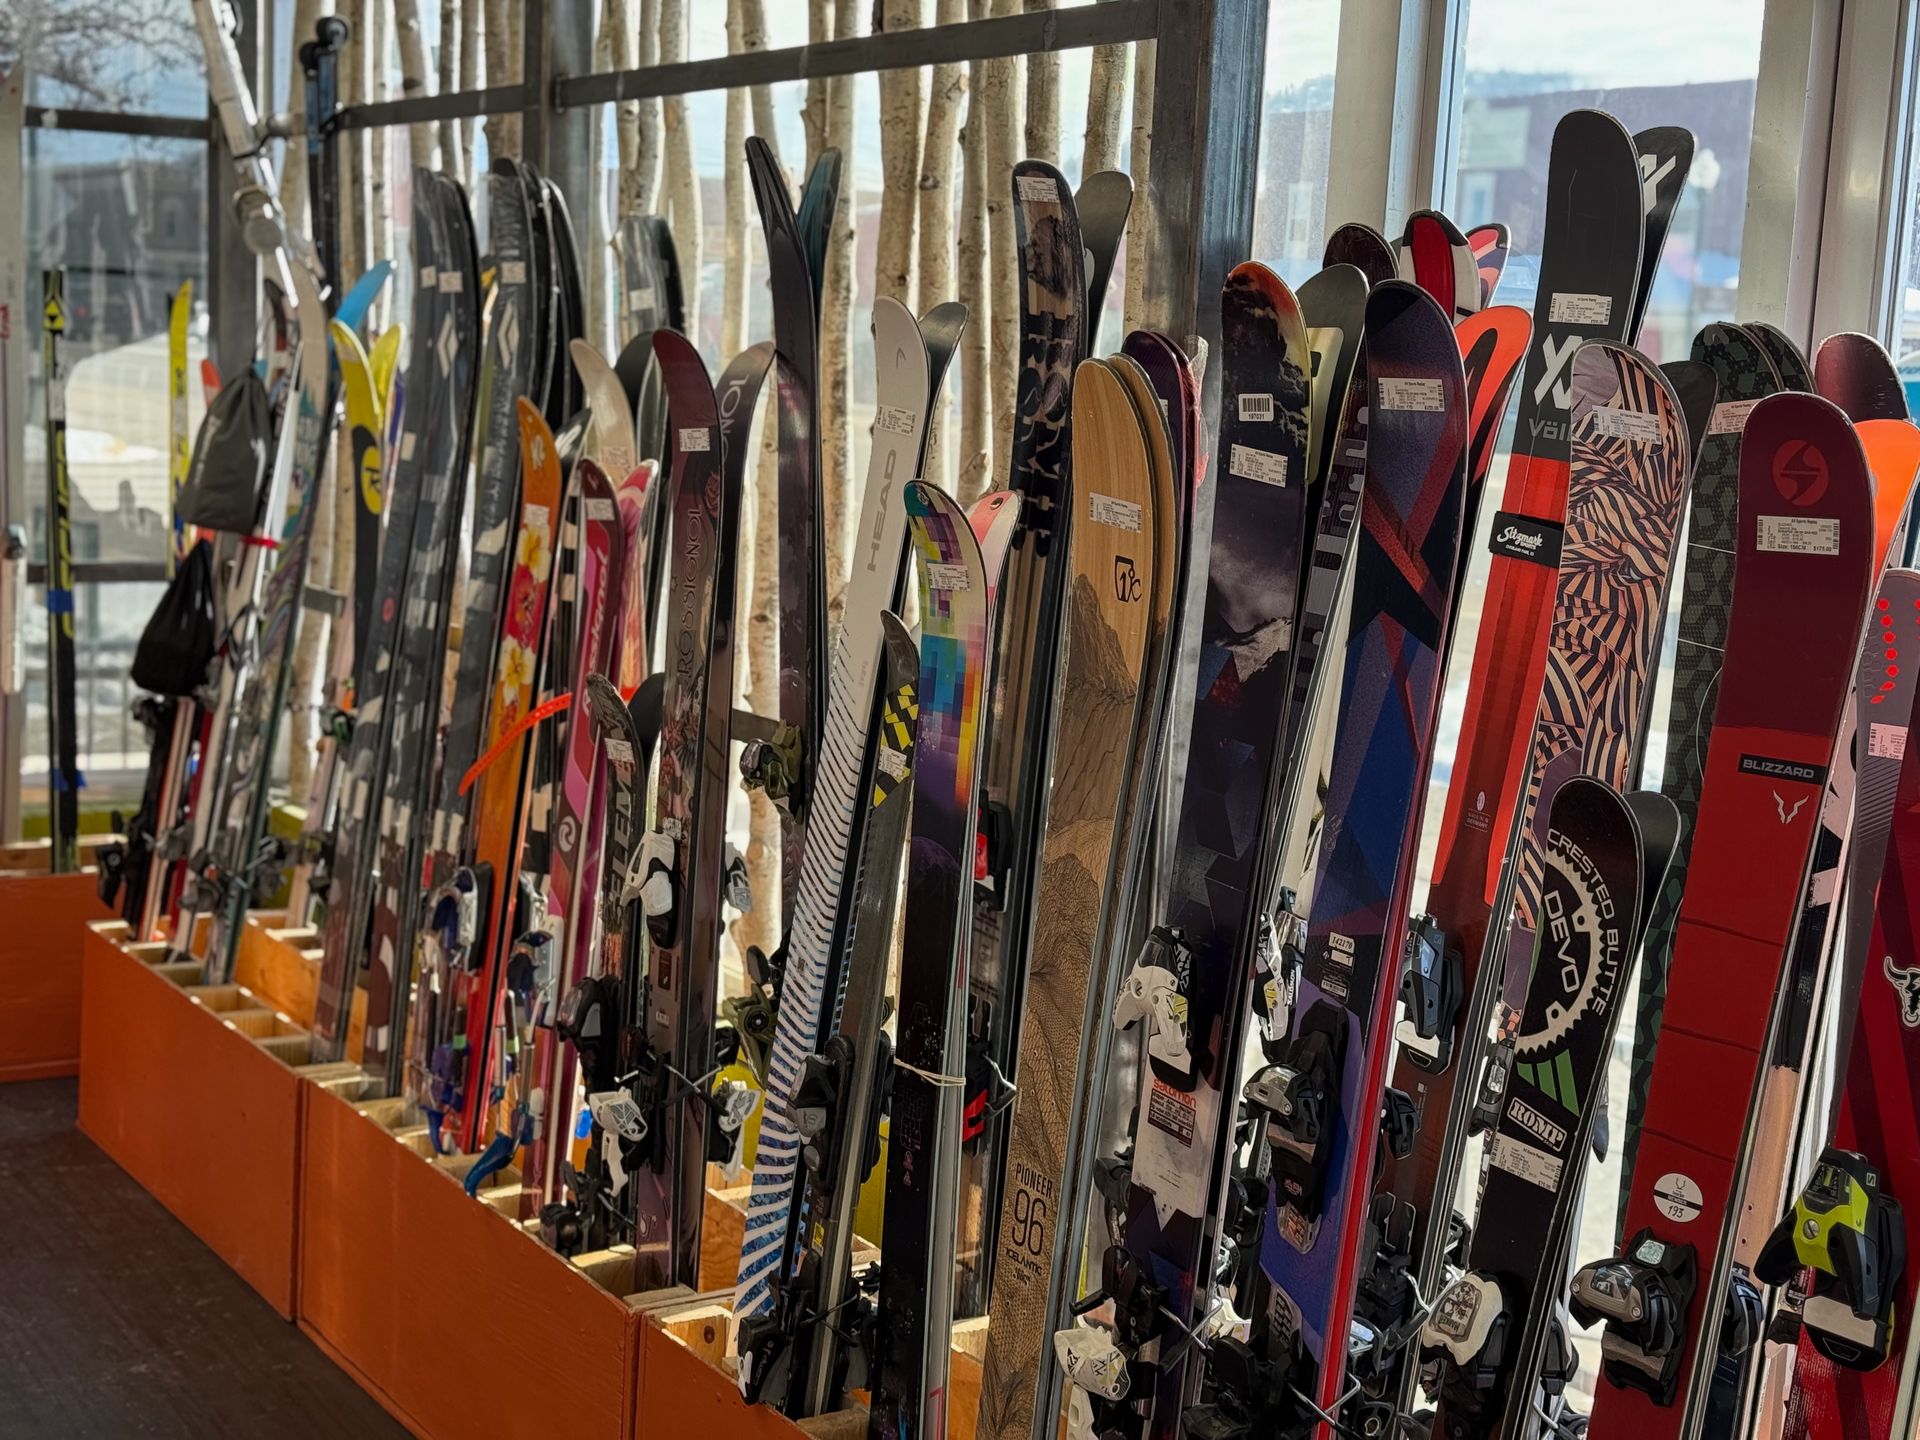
599 277
975 463
504 57
640 191
472 50
683 186
753 36
626 114
293 167
813 112
413 76
1043 99
449 80
945 96
379 150
1001 95
1106 109
1139 158
903 107
733 279
836 331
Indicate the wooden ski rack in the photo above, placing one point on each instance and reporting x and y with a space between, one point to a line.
40 960
335 1208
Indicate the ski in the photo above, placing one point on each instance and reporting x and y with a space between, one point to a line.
1185 988
1490 244
908 1372
1053 340
809 988
1119 552
1855 373
1666 159
1489 1331
179 443
1435 256
1744 376
1786 357
1800 591
1318 1096
63 716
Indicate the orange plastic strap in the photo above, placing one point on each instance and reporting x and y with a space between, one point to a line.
500 747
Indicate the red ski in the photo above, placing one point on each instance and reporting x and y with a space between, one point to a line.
1802 566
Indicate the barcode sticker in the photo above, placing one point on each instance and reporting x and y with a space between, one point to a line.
451 282
598 508
1887 742
535 517
1730 417
640 299
891 762
1570 307
491 541
1037 189
1107 510
1634 425
948 577
407 439
1262 465
1797 535
619 751
429 277
513 272
1405 392
1528 1162
57 400
1256 407
695 439
894 419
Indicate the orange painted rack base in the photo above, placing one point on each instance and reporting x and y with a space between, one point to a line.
41 918
339 1213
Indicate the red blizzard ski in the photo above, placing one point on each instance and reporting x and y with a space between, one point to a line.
1801 571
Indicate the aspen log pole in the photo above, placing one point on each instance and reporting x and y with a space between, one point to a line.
903 108
472 69
413 76
1106 110
599 237
813 111
379 149
293 165
1139 158
1001 97
733 280
945 96
449 81
504 67
626 114
1043 99
640 189
971 276
753 36
682 185
836 332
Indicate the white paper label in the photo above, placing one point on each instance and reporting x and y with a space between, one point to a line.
894 419
57 400
1677 1197
1569 307
1107 510
1404 392
619 751
694 439
1730 417
598 507
948 577
429 277
891 762
535 517
1529 1162
1634 425
1262 465
407 438
1037 189
640 299
1798 535
492 541
451 282
513 272
1887 742
1256 407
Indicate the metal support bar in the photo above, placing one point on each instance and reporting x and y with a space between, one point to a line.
1208 72
108 122
1865 167
414 110
1381 103
105 572
1793 96
1111 23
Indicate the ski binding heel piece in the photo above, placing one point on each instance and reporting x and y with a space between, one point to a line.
1432 989
1846 1231
1299 1096
658 887
1643 1297
1279 951
1156 990
773 765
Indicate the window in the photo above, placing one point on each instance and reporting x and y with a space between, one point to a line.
127 218
1290 222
